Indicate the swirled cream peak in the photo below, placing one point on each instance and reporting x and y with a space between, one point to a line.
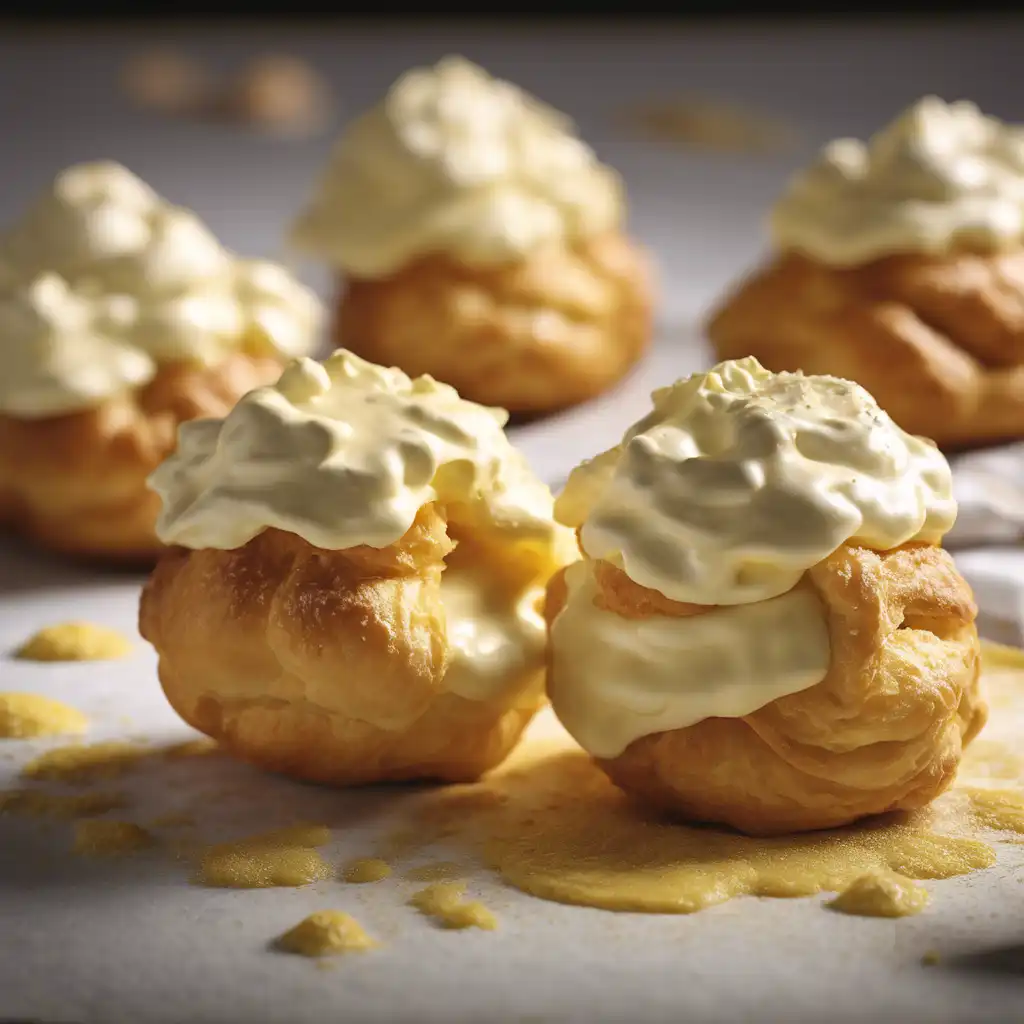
456 162
103 280
344 453
940 177
739 480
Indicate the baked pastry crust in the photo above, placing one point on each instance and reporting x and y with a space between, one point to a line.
883 731
939 341
77 483
532 337
286 653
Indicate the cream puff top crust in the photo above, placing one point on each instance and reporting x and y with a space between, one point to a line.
102 281
940 177
455 162
720 499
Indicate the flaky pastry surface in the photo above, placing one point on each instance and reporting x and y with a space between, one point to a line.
939 341
327 665
77 483
883 731
556 329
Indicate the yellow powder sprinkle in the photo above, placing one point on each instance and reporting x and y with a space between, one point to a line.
25 715
442 871
325 933
931 958
100 838
366 869
881 895
284 857
443 902
75 641
35 804
80 764
1001 809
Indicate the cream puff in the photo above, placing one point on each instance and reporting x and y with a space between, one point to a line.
899 263
763 631
121 316
355 585
480 241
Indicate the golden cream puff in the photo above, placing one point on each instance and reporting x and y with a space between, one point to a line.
121 316
763 631
899 264
480 241
355 585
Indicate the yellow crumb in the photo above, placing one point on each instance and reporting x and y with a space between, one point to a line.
97 837
881 895
366 869
35 804
284 857
75 641
25 715
325 933
79 764
931 958
443 902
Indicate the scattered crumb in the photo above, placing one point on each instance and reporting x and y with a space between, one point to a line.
284 857
444 903
325 933
99 837
75 641
25 715
881 895
709 125
279 93
80 764
930 958
35 804
442 871
166 80
366 869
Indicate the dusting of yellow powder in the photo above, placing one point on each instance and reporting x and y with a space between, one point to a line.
439 871
326 933
283 857
443 903
80 764
75 641
98 837
366 869
27 715
1000 809
37 804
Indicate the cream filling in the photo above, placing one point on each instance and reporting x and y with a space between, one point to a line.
495 640
615 680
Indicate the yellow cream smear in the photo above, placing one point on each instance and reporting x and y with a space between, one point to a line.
326 933
881 895
27 715
81 764
999 809
366 869
283 857
443 903
31 803
102 838
75 641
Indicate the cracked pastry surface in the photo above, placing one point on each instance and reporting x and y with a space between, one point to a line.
899 265
365 606
121 316
763 631
479 240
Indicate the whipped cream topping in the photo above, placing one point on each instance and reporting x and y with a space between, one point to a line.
455 162
346 453
102 281
942 176
614 680
739 480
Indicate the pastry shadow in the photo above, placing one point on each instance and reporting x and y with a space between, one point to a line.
25 568
1002 960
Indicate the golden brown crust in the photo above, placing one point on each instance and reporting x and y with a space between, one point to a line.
77 483
939 341
325 665
882 732
531 337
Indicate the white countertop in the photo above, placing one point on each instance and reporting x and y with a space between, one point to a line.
130 940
